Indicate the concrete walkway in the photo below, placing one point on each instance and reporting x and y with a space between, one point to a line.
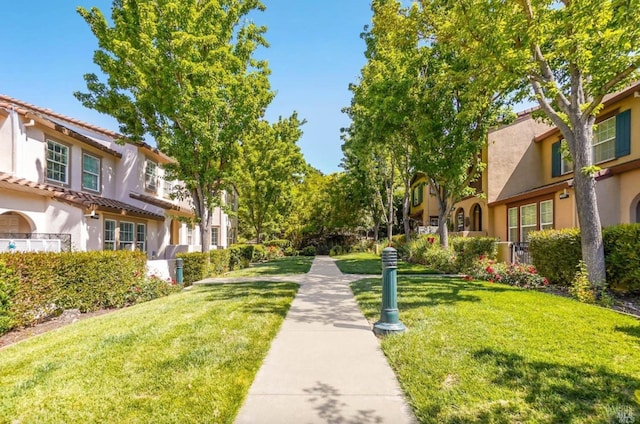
325 365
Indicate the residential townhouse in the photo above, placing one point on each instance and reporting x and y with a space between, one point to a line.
528 186
68 184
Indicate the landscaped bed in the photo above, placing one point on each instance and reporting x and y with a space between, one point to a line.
483 352
186 358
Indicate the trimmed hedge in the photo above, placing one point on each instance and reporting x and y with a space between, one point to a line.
194 267
48 283
469 249
622 256
8 285
556 254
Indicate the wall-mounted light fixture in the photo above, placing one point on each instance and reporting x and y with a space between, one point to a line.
564 194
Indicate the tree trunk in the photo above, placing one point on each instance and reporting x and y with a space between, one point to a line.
406 209
205 229
587 206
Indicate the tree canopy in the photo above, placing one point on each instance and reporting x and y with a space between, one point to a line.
183 72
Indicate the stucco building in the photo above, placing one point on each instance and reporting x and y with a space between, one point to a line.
67 184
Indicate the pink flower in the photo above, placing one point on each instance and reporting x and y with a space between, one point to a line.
489 270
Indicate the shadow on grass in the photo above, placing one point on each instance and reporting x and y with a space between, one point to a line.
374 266
419 292
630 330
260 295
566 393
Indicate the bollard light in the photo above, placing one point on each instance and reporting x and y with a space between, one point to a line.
179 277
389 322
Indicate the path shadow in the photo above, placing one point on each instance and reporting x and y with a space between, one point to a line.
565 393
331 409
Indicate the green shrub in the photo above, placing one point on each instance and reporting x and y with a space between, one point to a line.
581 287
48 283
260 253
8 284
622 252
281 243
441 260
308 251
419 244
469 249
556 253
220 260
194 267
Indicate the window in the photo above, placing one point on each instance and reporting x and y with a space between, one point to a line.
417 194
151 176
109 234
167 189
604 140
189 235
513 224
566 164
141 237
528 220
214 236
546 214
477 218
57 162
460 220
90 172
126 235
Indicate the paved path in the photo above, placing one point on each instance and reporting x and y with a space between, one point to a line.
325 365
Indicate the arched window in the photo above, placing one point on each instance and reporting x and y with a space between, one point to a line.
638 212
476 215
460 220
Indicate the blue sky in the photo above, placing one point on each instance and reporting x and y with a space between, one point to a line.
315 52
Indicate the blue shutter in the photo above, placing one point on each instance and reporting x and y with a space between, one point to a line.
556 159
623 133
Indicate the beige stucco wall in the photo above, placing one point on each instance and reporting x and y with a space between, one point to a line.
513 159
629 194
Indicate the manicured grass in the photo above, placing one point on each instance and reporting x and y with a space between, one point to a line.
370 263
186 358
486 353
280 266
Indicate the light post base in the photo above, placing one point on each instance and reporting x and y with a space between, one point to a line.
384 328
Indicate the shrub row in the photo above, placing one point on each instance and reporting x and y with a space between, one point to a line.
557 254
38 286
238 256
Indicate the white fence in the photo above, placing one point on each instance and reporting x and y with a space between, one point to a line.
30 245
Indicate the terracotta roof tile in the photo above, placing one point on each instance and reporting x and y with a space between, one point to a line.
86 200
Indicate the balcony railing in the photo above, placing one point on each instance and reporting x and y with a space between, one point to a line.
35 242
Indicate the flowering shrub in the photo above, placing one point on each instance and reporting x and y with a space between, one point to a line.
149 288
519 275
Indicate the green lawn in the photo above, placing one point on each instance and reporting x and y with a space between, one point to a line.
486 353
280 266
370 263
186 358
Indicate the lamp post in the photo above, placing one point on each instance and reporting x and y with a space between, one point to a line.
389 322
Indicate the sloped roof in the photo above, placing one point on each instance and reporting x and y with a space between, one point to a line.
77 198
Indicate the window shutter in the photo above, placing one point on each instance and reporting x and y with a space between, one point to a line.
623 133
556 159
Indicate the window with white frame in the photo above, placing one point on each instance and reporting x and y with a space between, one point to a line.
90 172
546 215
189 235
513 224
151 175
109 234
57 162
566 164
126 235
460 220
167 189
214 236
141 237
604 140
528 220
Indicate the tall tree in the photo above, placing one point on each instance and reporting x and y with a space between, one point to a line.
183 72
570 54
270 164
